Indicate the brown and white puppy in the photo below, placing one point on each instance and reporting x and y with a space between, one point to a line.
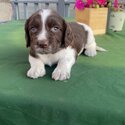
54 41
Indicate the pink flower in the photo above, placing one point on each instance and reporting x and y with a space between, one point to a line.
116 4
101 2
79 4
89 2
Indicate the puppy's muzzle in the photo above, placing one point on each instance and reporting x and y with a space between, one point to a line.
42 44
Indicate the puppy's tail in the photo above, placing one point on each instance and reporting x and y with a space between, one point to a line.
100 49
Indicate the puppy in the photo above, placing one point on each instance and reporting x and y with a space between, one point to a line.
54 41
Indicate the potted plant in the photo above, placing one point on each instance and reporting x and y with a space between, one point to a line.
116 16
93 13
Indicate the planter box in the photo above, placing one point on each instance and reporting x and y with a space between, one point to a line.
96 18
116 21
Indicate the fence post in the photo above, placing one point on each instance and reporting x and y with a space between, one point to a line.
17 11
46 5
25 10
36 6
67 12
14 10
61 7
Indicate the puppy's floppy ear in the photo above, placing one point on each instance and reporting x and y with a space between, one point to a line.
27 36
68 39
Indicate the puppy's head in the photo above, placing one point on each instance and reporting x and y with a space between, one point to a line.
47 32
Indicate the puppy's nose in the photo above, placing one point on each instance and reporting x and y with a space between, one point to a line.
42 44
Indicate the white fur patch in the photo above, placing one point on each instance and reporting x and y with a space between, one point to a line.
44 15
65 63
64 58
50 59
37 68
91 44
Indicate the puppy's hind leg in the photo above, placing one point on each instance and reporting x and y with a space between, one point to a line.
90 49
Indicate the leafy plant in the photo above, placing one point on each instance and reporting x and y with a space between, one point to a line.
117 6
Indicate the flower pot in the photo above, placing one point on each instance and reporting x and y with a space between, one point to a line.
116 20
96 18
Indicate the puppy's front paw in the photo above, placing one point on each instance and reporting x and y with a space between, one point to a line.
90 52
60 74
36 72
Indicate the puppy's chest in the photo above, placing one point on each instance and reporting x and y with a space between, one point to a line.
64 54
49 59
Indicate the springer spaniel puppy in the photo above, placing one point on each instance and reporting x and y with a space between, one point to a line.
54 41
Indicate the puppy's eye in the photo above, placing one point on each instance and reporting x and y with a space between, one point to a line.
33 29
54 29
